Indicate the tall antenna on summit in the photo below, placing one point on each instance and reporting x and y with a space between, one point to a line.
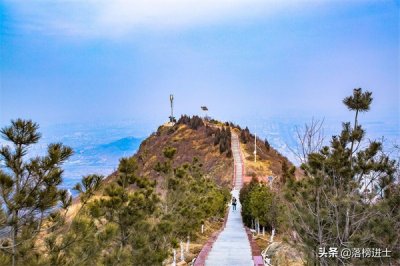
171 99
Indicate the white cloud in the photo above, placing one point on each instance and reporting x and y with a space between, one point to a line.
126 15
105 18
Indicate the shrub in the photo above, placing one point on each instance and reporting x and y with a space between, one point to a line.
193 122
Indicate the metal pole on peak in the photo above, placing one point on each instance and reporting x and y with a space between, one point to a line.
205 109
171 99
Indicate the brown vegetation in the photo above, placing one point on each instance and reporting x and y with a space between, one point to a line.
189 143
269 161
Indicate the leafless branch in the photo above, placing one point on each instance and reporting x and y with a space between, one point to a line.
309 138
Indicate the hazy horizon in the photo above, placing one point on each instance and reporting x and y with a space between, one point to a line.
96 62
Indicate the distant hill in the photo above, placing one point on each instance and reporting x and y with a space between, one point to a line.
127 144
100 159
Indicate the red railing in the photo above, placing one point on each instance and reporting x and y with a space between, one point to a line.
255 249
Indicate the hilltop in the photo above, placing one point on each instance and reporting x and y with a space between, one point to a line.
190 141
194 137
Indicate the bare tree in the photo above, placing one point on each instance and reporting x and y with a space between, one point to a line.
309 138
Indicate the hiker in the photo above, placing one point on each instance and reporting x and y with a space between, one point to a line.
234 203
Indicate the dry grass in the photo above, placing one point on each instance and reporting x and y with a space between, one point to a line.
189 143
269 162
283 254
260 168
195 246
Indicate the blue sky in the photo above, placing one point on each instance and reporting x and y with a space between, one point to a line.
95 61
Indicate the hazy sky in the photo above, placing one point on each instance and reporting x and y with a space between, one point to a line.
79 61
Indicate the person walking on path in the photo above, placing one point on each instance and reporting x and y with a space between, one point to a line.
234 203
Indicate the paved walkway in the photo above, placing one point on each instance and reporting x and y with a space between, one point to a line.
232 246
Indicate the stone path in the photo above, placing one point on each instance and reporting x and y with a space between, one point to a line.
232 246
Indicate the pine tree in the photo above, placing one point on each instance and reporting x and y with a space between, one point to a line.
287 173
77 242
192 199
244 135
217 137
267 145
260 203
28 188
189 200
127 205
332 205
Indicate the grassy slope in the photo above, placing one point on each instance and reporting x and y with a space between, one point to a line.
189 143
269 162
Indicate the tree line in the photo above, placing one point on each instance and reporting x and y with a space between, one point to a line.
221 135
222 138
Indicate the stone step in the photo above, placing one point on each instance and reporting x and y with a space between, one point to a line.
232 246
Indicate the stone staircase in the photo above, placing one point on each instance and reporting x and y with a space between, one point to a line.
238 162
232 246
